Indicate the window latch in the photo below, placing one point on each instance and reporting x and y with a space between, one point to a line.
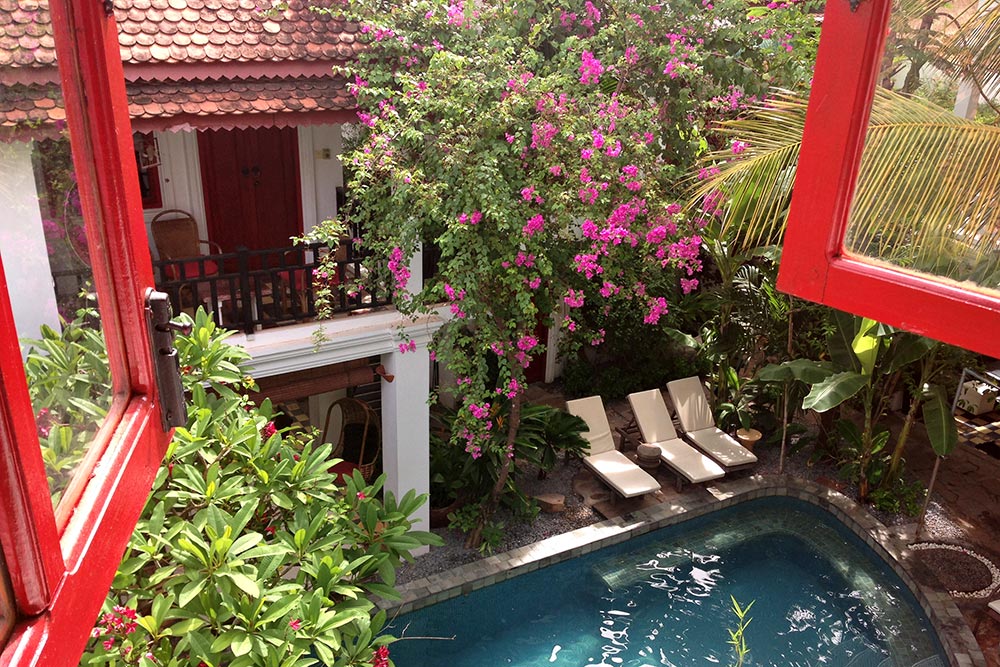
173 412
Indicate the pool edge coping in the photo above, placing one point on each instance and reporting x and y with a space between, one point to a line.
947 620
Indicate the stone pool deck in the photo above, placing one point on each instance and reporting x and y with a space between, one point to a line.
890 543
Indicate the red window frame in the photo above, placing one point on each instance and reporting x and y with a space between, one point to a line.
60 570
814 264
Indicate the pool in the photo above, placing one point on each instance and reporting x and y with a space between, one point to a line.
821 597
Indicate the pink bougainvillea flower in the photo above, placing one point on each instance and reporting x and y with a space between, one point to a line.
591 68
533 225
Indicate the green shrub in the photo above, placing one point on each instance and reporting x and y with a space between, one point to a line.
249 551
543 434
69 382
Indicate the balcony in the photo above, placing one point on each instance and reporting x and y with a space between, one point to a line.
250 290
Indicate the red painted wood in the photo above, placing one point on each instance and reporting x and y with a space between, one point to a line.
251 183
114 503
814 265
110 501
27 524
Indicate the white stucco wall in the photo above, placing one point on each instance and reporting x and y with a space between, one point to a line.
321 172
405 412
22 244
180 179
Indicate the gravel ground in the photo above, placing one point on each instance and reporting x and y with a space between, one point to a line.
516 534
938 526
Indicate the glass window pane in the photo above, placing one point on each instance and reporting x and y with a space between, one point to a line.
45 251
928 195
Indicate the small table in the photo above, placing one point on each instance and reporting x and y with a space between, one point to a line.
647 456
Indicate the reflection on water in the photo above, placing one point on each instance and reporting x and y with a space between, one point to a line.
666 599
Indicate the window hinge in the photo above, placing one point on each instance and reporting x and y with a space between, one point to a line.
173 412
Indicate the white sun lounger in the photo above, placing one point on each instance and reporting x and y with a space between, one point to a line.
613 467
658 430
698 424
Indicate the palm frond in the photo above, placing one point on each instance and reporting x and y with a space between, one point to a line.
928 196
973 50
758 182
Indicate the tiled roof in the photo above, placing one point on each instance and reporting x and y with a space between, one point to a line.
26 34
219 31
212 98
31 109
187 60
189 31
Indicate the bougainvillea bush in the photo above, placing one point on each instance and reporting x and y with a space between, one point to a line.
540 146
250 552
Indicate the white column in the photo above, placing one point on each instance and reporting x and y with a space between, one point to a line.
22 244
967 100
406 425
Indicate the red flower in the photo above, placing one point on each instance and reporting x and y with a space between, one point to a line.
295 624
381 657
361 495
268 430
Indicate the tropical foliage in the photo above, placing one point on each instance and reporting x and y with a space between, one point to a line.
250 551
69 383
539 145
927 193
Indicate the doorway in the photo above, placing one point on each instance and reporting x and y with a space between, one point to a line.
250 179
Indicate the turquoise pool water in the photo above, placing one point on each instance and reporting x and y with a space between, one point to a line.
821 597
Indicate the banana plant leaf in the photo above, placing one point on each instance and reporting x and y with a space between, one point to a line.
941 428
834 390
804 370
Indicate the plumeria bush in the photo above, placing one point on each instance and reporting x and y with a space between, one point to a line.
539 144
249 551
69 382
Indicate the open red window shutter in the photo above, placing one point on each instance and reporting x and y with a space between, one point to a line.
814 265
61 567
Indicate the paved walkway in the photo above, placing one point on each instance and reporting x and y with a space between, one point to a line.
968 487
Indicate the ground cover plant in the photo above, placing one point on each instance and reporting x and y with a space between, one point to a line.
249 551
539 145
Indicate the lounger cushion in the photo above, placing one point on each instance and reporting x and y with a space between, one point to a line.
688 461
621 474
688 397
658 430
591 410
721 447
995 607
652 416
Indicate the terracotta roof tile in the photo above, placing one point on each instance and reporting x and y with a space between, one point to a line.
34 109
302 33
213 98
38 109
25 34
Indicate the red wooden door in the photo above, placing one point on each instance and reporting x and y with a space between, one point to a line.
251 183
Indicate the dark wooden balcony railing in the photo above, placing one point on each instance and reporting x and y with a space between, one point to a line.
248 290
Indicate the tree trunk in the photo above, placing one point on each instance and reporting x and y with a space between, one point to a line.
866 451
784 415
904 433
475 537
927 372
927 500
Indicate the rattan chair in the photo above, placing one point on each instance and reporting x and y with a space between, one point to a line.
360 436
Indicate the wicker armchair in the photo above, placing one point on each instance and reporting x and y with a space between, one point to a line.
359 441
